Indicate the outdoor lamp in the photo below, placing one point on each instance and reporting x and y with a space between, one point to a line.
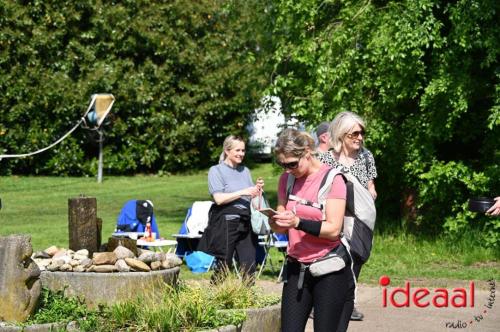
98 109
100 105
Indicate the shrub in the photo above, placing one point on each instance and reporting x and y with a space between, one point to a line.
54 307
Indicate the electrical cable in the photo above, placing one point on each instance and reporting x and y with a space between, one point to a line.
56 142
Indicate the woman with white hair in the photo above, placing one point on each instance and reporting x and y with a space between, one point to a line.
347 133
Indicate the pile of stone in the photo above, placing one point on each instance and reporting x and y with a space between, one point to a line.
119 260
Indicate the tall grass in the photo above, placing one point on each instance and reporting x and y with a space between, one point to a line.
190 307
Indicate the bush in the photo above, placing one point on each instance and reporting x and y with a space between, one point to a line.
54 307
190 307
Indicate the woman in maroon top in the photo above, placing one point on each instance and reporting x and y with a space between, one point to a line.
311 236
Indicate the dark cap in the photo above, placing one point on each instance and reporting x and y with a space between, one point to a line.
322 128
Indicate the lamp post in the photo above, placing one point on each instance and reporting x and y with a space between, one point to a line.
100 106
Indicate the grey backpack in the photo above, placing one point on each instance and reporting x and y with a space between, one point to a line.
359 220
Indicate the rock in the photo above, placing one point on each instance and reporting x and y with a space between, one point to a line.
79 257
53 267
147 257
60 253
79 268
156 265
141 251
137 264
66 268
74 262
122 266
82 252
105 268
19 278
159 256
42 262
104 258
51 250
64 259
176 261
122 252
40 254
86 263
114 242
167 264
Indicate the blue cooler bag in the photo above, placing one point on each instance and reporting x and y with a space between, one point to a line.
199 262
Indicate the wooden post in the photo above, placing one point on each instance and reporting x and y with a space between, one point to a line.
84 230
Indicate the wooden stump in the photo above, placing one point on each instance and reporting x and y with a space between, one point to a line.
130 244
83 225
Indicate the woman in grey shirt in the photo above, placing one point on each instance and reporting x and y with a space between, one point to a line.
229 230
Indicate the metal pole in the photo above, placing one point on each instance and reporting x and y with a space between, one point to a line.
99 167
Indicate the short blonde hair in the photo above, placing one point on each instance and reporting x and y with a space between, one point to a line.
340 126
229 144
292 142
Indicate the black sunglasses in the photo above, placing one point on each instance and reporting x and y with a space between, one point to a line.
290 165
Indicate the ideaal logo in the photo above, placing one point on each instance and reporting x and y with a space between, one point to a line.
423 297
439 298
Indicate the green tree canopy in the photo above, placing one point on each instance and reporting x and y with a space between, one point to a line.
184 73
424 74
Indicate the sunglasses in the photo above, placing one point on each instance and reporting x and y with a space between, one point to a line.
355 134
290 165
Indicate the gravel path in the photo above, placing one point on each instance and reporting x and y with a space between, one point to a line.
413 318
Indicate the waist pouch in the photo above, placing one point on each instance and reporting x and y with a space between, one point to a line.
334 261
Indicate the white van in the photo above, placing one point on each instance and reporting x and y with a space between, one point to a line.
264 127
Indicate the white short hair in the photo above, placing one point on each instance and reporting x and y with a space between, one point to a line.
342 125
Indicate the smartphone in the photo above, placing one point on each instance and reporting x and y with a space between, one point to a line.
268 212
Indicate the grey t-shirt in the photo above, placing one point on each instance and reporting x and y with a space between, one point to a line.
223 178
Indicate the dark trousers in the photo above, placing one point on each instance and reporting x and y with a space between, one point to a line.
331 296
240 240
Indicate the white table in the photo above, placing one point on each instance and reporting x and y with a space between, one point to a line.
158 244
131 235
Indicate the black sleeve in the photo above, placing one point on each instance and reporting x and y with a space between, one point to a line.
309 226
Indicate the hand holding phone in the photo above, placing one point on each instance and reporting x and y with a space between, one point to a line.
268 212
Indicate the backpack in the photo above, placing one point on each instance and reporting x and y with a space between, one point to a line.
359 220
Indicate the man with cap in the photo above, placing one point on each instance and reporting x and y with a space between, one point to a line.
323 136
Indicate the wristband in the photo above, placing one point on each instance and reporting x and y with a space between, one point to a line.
309 226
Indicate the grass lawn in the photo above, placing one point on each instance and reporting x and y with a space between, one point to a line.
39 206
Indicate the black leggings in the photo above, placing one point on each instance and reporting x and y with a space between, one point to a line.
331 295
